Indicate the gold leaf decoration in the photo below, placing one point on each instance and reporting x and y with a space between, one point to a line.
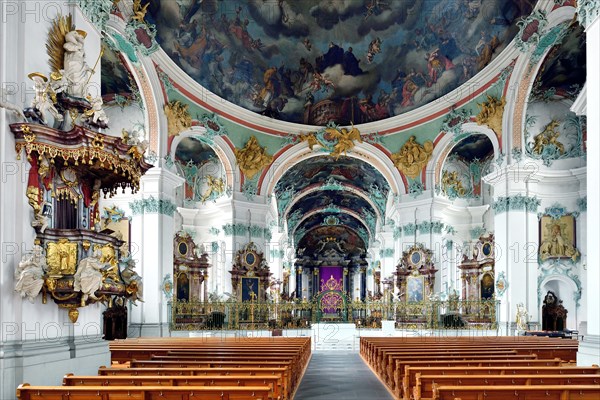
491 112
252 158
413 157
56 40
178 117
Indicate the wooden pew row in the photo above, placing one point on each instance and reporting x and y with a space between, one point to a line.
27 392
543 392
381 364
282 373
387 371
368 344
410 374
127 349
424 385
372 348
401 385
545 350
294 374
274 382
298 357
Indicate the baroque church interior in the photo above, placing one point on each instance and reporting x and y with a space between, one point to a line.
342 171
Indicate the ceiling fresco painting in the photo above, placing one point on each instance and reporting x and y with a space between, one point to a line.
474 147
331 219
316 241
563 72
345 170
115 79
345 61
331 198
194 151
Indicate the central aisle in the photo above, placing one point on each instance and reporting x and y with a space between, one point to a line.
340 376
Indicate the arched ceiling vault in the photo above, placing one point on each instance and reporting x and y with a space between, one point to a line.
321 192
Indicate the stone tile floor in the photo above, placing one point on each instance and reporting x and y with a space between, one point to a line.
340 376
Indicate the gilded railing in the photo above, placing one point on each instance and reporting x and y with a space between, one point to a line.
467 314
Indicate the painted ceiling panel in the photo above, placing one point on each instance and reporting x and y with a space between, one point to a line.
564 69
345 170
316 241
331 219
331 199
474 147
115 77
313 61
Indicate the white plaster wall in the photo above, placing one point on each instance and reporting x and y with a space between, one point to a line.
38 343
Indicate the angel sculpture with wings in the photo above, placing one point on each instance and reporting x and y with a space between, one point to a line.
345 140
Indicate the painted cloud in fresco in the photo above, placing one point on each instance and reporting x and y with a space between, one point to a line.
348 61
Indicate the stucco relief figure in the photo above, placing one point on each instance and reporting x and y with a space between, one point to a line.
413 157
42 101
88 277
76 70
29 275
96 115
557 245
131 278
252 158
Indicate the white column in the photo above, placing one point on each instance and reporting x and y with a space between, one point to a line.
152 232
589 346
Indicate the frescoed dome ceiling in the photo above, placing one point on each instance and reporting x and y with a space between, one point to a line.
563 72
313 61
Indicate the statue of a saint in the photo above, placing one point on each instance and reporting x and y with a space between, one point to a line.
76 70
29 275
88 277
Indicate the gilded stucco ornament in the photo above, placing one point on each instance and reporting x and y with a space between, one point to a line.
215 188
452 185
413 157
178 117
333 139
549 136
62 257
252 158
491 112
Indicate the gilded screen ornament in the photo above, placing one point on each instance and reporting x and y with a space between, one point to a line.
413 157
252 158
62 257
178 117
491 112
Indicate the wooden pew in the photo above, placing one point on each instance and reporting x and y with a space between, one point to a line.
282 373
274 382
295 370
424 385
403 385
545 392
396 360
127 349
27 392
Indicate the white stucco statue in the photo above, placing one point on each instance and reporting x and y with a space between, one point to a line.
42 100
76 70
521 318
131 278
29 275
88 277
96 114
